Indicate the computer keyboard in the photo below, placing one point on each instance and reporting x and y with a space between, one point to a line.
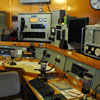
42 87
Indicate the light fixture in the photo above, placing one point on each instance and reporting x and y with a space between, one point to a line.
60 1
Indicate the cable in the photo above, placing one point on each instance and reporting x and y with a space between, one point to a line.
96 88
50 68
48 8
94 95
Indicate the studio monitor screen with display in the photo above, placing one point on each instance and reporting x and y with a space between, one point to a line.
34 1
75 29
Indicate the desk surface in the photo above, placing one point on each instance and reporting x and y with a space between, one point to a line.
27 66
27 78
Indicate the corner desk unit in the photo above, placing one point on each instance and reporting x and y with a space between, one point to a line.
30 75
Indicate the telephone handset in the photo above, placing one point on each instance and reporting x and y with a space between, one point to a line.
22 24
22 28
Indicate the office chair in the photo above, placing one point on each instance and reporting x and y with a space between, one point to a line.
9 84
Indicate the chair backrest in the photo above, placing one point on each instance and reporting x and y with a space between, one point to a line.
9 83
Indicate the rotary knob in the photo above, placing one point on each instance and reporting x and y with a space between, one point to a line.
87 47
97 52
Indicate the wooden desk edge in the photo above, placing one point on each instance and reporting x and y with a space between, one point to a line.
80 57
27 78
34 91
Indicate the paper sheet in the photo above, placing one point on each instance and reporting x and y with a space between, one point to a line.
68 91
71 93
28 66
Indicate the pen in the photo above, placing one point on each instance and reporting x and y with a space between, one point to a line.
74 92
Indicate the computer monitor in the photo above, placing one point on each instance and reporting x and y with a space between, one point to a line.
75 29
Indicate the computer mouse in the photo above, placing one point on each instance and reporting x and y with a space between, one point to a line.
56 98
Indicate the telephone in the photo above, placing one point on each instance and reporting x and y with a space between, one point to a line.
22 24
22 28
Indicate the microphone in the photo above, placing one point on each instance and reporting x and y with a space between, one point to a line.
12 57
43 68
12 54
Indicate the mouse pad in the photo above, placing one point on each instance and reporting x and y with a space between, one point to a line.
50 97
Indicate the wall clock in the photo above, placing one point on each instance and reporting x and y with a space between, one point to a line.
95 4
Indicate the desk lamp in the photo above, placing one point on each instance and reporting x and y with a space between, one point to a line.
12 57
86 84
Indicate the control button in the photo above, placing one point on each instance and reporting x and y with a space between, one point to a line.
87 47
44 19
40 19
40 44
2 52
89 52
92 49
97 52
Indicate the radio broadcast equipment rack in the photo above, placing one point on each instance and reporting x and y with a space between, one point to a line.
92 41
34 26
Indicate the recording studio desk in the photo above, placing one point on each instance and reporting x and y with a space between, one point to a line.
28 67
79 57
